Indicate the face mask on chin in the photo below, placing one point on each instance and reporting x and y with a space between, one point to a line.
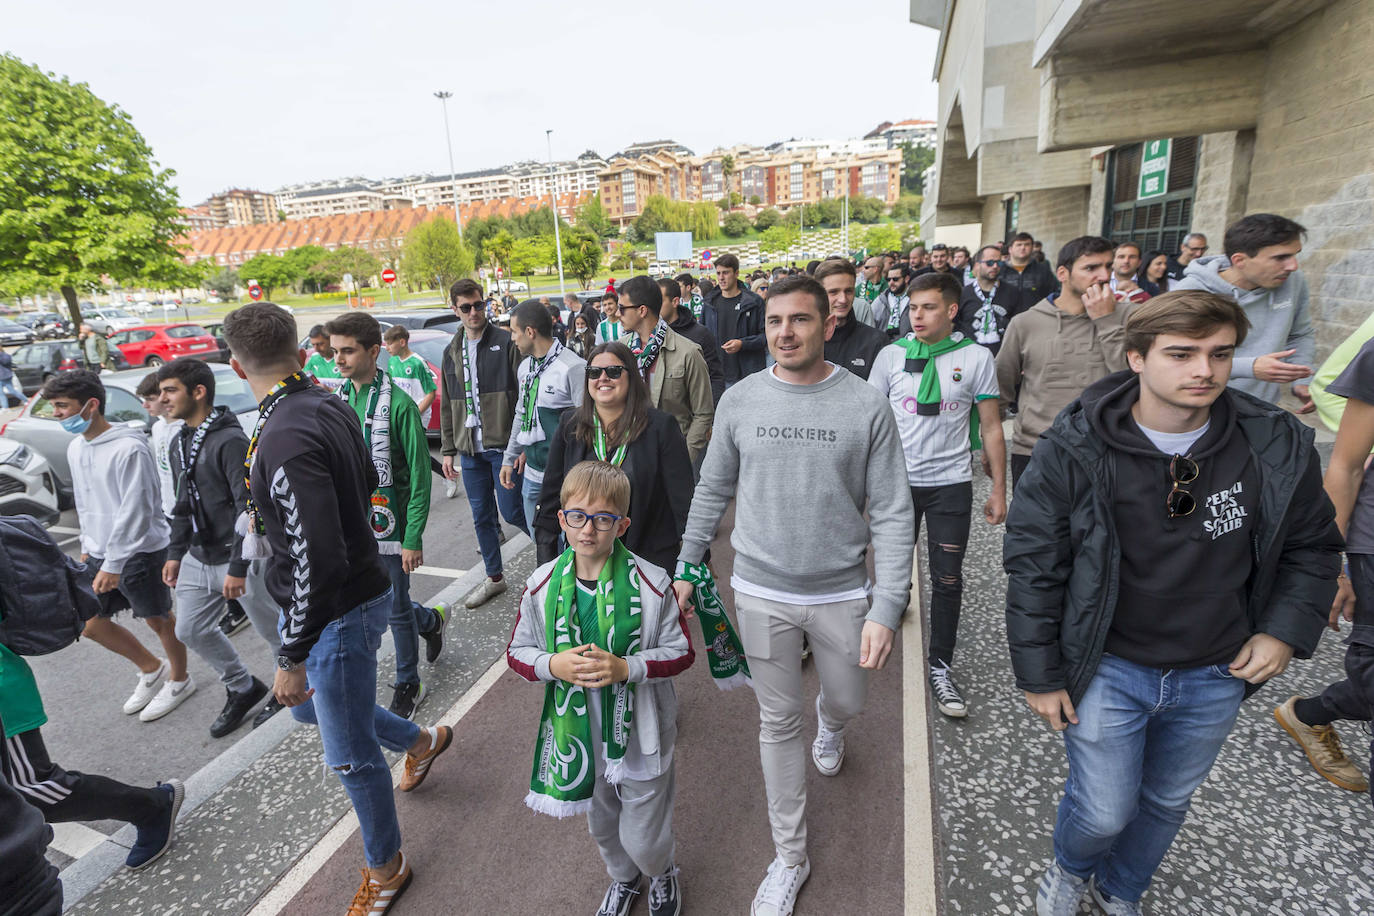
76 424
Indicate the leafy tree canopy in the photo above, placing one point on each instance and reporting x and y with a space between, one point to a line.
433 253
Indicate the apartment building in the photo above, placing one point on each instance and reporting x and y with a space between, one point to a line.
235 207
912 130
1050 112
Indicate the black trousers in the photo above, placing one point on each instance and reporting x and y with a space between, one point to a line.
947 510
66 795
1353 698
1018 467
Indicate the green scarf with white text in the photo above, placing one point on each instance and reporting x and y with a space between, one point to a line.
377 438
564 772
724 652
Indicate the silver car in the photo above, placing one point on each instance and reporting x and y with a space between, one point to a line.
36 427
27 485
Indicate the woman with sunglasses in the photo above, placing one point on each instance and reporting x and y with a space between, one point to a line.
615 423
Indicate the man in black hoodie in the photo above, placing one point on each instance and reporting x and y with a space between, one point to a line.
854 345
735 316
205 561
682 321
1170 549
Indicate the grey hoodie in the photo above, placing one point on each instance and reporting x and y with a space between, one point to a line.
1279 320
118 495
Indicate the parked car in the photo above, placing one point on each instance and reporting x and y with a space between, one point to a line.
106 320
216 330
36 363
36 427
27 484
443 319
12 333
154 345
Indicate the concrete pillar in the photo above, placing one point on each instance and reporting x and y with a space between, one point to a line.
1223 181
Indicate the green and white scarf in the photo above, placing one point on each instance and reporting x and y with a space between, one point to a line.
646 351
696 304
894 310
564 772
618 458
724 652
470 399
530 431
377 437
928 396
985 319
609 330
869 291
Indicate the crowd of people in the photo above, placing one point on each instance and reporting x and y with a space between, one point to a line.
1170 547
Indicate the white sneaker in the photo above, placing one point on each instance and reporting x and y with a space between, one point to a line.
172 695
484 592
827 751
777 895
146 689
450 488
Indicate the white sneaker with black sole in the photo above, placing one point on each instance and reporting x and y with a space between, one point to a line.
777 895
146 689
827 751
947 697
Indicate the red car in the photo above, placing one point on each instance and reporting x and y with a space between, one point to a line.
153 345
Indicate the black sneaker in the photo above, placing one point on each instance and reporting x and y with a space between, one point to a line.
234 619
236 707
271 709
947 697
619 898
434 639
665 897
406 698
155 838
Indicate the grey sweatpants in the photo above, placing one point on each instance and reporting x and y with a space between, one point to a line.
632 824
200 605
771 632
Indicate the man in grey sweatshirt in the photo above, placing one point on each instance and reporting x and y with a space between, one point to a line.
1260 272
805 448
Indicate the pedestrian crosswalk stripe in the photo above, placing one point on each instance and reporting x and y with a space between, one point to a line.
440 572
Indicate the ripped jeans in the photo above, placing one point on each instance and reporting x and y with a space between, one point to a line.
947 510
342 670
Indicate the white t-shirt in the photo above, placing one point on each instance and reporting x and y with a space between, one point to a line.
745 587
936 448
1174 443
162 433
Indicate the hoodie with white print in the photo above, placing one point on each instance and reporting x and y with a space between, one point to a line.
118 496
1279 320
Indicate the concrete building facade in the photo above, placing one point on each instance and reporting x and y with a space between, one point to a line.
1049 110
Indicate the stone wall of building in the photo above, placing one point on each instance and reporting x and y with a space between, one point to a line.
1313 161
1054 216
1223 183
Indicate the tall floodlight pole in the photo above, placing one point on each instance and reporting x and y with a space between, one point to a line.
443 97
553 202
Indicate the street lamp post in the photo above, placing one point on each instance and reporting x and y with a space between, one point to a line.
553 202
443 97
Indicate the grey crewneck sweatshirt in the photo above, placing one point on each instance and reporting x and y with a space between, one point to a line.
802 463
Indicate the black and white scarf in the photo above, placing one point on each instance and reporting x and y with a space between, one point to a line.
191 455
646 352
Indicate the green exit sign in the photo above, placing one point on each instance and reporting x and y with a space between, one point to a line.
1154 169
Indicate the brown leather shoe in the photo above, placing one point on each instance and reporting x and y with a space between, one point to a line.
417 767
376 897
1323 748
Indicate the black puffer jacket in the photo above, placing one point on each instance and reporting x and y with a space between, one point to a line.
1062 555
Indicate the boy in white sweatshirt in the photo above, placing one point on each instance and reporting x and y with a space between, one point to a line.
124 538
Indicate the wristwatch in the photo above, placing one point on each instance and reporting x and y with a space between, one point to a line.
287 664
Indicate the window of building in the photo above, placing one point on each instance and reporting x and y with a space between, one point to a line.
627 190
794 176
1158 222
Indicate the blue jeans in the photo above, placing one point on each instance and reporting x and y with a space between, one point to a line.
408 620
1144 741
482 481
342 670
529 499
10 386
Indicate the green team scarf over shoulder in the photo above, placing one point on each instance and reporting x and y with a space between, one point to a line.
564 763
377 436
928 397
725 653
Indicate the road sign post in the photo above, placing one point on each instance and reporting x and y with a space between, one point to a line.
1154 169
389 278
254 291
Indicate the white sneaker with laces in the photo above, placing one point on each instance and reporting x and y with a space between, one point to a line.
827 751
148 685
1059 893
172 695
484 592
1113 906
777 895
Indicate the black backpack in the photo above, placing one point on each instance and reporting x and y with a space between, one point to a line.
44 595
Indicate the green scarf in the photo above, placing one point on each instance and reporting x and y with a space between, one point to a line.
928 397
377 438
564 762
729 667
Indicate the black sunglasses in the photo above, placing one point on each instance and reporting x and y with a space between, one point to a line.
611 372
470 306
993 263
1179 502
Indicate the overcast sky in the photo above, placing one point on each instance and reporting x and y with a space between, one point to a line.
261 94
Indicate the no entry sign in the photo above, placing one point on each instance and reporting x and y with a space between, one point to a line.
388 276
255 292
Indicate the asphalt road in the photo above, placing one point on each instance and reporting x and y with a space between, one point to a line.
84 686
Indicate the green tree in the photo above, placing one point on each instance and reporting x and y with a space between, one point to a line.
755 200
223 281
915 161
433 252
882 237
727 168
767 219
530 254
592 215
303 261
344 260
270 270
735 224
655 217
866 209
908 206
779 238
498 249
82 195
581 254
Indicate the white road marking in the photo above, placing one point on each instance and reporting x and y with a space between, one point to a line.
290 884
75 840
440 572
920 874
65 541
59 529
